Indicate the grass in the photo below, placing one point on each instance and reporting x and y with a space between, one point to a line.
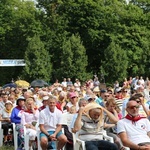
7 148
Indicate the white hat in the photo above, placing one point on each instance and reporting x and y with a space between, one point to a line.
118 89
45 98
8 102
87 97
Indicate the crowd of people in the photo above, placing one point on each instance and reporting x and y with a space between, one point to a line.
118 109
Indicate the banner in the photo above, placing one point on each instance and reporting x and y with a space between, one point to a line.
12 62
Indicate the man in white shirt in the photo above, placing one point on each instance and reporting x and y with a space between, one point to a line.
50 121
134 130
4 100
64 83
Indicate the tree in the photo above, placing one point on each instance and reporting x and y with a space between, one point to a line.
115 62
18 21
38 64
73 60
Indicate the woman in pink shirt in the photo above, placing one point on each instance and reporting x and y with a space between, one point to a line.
29 119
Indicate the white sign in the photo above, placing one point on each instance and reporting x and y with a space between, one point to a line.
12 62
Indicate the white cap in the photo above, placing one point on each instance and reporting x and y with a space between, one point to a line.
8 102
45 98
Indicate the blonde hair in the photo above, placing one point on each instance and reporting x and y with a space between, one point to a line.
29 100
110 101
72 109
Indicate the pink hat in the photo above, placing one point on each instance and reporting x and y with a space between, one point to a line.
73 94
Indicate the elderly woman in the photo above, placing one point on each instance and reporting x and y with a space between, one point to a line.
73 101
29 118
90 125
5 119
16 118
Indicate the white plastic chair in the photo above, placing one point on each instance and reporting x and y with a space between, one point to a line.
79 144
1 134
26 139
15 133
38 137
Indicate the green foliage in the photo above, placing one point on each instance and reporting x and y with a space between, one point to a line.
18 21
80 37
38 64
115 63
73 60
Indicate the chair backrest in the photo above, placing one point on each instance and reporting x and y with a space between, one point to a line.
1 134
77 143
67 118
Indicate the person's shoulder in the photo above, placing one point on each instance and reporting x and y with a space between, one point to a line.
122 120
43 111
86 119
58 111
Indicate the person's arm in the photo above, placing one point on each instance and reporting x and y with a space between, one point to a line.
77 124
42 129
14 118
106 125
115 113
126 142
58 128
144 108
112 118
148 133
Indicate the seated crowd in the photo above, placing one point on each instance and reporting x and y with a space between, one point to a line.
122 112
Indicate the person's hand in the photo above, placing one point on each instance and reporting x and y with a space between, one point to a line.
32 107
81 110
8 120
27 125
144 147
141 100
53 137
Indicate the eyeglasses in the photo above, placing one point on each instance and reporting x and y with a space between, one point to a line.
106 95
132 107
110 93
125 91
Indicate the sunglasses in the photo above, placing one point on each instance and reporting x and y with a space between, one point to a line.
132 107
73 97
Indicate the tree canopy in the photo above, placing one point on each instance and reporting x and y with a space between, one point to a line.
75 38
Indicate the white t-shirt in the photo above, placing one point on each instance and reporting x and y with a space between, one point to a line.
69 104
64 83
136 132
49 119
4 114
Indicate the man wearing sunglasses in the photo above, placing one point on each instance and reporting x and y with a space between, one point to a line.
134 130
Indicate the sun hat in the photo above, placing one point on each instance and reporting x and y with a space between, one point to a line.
8 102
21 98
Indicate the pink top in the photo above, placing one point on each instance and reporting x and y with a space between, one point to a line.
119 116
28 118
